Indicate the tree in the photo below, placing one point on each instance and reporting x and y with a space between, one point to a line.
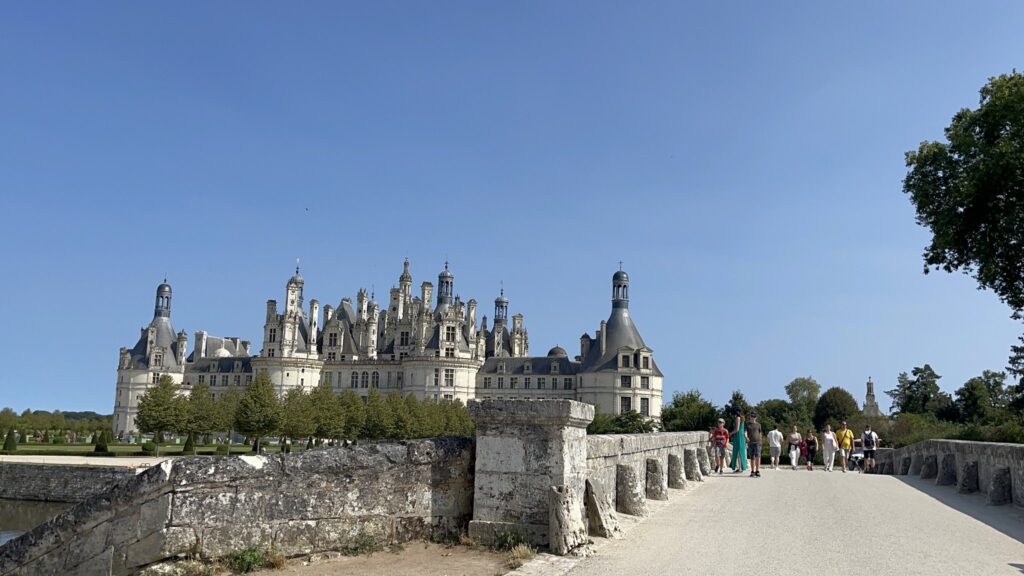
160 410
983 399
297 415
227 409
803 397
969 192
688 411
602 423
403 425
11 441
8 418
328 413
259 411
776 412
834 406
736 404
355 414
417 417
202 415
631 422
919 394
378 423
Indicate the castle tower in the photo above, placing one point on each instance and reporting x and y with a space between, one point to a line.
445 287
162 309
500 310
870 405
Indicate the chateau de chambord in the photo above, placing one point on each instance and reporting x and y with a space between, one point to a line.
438 352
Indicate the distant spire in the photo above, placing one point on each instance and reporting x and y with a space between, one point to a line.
296 265
620 265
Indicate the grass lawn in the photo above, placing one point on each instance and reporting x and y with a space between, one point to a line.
34 449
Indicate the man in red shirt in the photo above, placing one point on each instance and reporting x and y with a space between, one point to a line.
718 440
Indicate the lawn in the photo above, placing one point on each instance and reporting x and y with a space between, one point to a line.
34 449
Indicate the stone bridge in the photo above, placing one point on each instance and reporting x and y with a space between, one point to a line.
532 471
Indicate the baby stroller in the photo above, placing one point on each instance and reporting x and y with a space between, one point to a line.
856 460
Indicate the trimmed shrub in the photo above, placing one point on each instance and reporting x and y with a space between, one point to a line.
11 441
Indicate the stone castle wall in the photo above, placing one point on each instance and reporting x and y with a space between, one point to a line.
971 466
606 452
57 482
298 503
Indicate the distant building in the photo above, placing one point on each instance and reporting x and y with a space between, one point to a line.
870 405
435 352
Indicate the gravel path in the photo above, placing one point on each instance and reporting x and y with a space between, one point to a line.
799 522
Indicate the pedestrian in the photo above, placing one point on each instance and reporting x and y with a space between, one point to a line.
844 436
739 444
829 445
812 448
794 439
775 446
869 442
754 445
718 439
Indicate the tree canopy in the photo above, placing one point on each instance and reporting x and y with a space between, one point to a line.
688 411
834 406
259 411
803 397
160 409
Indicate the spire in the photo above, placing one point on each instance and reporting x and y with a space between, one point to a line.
620 289
162 308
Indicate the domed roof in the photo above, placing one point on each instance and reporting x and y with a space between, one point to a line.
297 279
163 287
620 276
558 352
445 273
221 353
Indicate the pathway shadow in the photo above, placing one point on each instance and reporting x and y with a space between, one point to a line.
1008 519
1018 567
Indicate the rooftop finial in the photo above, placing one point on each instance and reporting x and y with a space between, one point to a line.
373 292
446 264
620 265
502 287
165 277
296 265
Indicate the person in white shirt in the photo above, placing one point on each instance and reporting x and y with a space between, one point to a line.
869 442
829 446
794 439
775 446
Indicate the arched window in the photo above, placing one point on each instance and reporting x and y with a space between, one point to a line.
376 379
355 379
366 379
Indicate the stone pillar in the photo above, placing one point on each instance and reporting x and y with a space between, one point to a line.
676 476
930 467
691 466
915 464
999 488
566 528
657 481
968 483
889 468
904 466
947 471
629 494
703 461
601 511
523 448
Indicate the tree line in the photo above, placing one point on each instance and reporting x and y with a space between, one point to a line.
53 427
314 417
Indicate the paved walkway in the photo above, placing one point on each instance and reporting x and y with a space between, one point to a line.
124 461
798 522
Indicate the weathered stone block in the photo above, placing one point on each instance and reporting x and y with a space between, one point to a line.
88 544
676 475
930 467
99 565
704 462
691 465
600 509
1000 489
566 530
915 464
968 482
629 493
656 481
947 471
296 537
904 466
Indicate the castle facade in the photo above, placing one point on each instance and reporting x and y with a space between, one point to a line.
428 345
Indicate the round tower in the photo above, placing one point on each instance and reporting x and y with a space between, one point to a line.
620 290
163 301
445 286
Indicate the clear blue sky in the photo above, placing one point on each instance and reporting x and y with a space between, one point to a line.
743 159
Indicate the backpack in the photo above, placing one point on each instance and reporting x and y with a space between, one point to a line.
869 440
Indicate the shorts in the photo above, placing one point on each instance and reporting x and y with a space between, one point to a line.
869 454
720 451
811 455
845 452
776 451
754 450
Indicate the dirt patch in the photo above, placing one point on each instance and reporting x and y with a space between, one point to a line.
414 559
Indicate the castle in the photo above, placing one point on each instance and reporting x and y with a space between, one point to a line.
436 352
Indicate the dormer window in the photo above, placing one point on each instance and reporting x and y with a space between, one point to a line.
554 367
272 336
625 361
501 367
158 359
646 362
527 368
332 339
449 333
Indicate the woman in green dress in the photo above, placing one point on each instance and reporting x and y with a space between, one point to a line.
739 444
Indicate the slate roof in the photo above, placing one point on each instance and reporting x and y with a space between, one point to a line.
164 337
539 366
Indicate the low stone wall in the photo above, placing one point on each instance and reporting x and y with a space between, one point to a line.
298 503
605 452
57 482
971 466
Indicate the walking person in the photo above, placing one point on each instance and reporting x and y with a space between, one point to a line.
775 446
718 439
869 442
829 445
794 439
754 445
845 438
739 444
812 448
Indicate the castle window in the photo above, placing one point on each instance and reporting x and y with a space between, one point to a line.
526 382
376 380
156 377
554 367
238 379
273 335
224 380
202 378
365 381
437 376
625 404
645 382
448 397
501 367
403 339
402 356
355 380
398 378
332 339
568 383
625 361
328 378
248 379
645 406
542 383
647 362
330 356
449 333
449 377
501 382
270 353
487 382
527 368
449 352
512 382
627 381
